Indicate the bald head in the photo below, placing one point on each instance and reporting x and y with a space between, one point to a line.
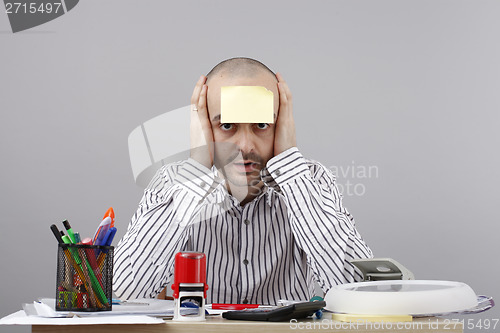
239 72
239 67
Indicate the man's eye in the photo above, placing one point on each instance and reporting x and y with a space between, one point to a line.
226 127
262 126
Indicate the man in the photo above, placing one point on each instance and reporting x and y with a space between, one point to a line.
269 221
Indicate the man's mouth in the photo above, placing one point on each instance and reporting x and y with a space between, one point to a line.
245 166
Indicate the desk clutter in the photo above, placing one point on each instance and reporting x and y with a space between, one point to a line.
84 278
388 292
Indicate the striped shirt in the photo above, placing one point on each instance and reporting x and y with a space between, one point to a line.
295 232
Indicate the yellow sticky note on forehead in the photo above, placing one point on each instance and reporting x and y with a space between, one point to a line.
246 104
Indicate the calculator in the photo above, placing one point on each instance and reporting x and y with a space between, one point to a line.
284 313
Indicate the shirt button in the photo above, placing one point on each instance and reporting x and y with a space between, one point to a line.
245 262
203 184
245 301
277 172
246 222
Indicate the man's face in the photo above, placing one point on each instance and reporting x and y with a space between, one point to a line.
241 150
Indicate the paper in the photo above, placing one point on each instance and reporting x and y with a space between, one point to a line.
20 318
246 104
154 307
42 313
345 317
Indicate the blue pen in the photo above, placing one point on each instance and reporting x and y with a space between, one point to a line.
101 231
108 238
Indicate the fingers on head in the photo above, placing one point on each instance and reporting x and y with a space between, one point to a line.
283 93
197 89
202 100
284 90
283 87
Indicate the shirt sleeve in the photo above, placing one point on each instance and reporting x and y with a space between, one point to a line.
144 257
322 226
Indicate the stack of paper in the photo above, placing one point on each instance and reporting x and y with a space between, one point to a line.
140 311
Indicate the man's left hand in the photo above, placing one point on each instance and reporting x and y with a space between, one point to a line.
284 135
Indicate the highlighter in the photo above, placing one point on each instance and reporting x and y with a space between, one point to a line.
111 214
73 251
91 257
88 272
56 233
70 231
73 257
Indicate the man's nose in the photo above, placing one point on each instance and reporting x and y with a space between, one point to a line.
245 139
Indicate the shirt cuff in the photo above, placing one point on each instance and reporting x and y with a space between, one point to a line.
285 167
196 178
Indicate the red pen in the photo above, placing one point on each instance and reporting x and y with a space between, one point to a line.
222 306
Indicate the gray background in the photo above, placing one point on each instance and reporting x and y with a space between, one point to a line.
411 87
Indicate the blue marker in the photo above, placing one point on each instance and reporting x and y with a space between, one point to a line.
108 238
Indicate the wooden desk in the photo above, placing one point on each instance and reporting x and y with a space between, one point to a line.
220 325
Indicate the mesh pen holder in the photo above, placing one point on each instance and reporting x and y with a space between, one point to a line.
84 277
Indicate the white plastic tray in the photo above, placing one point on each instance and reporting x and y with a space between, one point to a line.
401 297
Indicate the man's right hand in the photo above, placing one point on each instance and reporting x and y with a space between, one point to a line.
202 137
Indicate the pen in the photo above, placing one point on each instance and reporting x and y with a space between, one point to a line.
116 301
68 276
71 258
56 233
70 231
92 260
89 275
221 306
77 238
108 221
83 260
67 240
102 255
111 213
96 284
101 231
108 239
